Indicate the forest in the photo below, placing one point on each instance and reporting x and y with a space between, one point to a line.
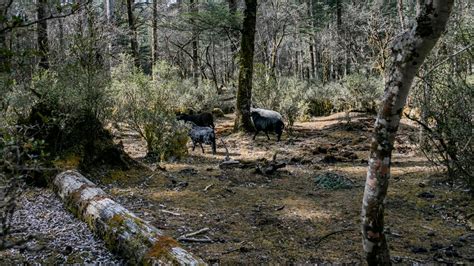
236 132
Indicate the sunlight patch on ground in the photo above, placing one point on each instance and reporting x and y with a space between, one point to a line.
305 209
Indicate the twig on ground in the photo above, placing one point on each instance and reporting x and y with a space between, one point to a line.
189 237
170 212
199 240
227 157
208 186
200 231
330 234
234 249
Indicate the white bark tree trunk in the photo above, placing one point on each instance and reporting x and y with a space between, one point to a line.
123 232
408 51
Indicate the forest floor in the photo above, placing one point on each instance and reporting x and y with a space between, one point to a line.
287 217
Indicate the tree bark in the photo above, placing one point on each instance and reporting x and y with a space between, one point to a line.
244 92
401 13
155 54
123 232
194 44
408 51
338 15
233 37
42 33
133 33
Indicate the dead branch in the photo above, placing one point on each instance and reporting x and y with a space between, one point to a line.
199 240
170 212
200 231
330 234
208 186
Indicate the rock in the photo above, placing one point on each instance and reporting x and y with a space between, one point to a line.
330 159
349 155
451 252
188 171
467 238
67 250
217 112
436 246
426 195
397 259
229 164
418 250
320 150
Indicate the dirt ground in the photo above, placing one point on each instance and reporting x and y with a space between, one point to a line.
286 217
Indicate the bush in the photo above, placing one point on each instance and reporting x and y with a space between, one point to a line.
354 92
364 92
287 96
446 103
148 106
183 94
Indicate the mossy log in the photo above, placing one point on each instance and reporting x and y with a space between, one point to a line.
123 232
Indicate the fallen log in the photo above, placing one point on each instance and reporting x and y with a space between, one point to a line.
123 232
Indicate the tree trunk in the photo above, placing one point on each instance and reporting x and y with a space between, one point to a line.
234 37
123 232
244 92
408 51
42 32
401 13
155 33
133 33
195 57
339 65
5 55
338 15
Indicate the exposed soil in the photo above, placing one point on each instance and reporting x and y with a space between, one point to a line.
286 217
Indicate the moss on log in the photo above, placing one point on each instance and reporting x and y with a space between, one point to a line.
123 232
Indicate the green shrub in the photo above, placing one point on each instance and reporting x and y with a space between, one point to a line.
446 104
285 95
354 92
182 93
148 106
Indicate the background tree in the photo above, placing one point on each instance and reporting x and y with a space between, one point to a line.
133 33
244 93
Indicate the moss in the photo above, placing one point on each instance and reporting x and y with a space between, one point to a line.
69 161
161 247
116 221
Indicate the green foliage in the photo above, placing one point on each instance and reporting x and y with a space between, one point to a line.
284 95
181 94
148 106
353 92
444 99
364 92
296 99
447 121
333 181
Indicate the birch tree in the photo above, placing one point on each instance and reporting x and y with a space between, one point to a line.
408 51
